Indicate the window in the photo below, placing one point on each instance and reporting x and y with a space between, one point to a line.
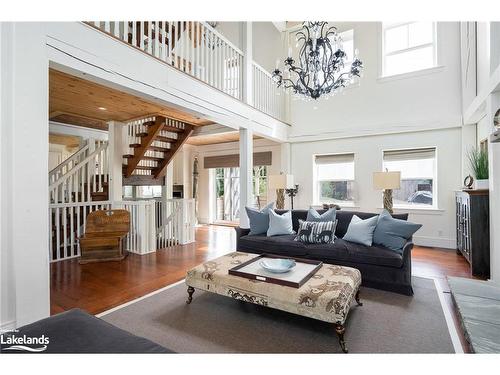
408 47
334 176
418 176
148 191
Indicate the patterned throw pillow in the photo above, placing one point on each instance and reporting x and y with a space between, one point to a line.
316 232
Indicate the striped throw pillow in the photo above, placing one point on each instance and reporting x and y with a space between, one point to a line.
316 232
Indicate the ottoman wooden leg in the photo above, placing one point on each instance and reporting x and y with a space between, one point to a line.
357 299
190 294
340 330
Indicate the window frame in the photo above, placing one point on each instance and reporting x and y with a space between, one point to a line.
383 55
317 181
435 197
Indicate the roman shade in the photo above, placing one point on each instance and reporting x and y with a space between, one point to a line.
233 160
334 158
410 154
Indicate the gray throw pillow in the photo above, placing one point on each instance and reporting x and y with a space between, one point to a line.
259 220
393 233
280 224
316 231
361 231
313 215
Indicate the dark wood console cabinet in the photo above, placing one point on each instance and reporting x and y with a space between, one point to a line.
473 229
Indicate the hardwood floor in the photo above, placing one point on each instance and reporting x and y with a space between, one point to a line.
97 287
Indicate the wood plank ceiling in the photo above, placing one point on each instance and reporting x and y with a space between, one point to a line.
80 102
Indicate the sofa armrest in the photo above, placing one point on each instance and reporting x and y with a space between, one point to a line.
240 232
407 250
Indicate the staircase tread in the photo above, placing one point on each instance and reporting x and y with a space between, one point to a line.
165 139
155 158
128 156
156 148
134 145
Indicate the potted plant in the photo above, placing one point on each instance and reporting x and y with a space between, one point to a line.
478 160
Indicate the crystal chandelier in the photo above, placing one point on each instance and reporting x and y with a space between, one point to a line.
321 69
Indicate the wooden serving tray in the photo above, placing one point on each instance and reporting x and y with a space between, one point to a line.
298 276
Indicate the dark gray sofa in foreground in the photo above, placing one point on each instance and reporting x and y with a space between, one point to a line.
76 331
380 267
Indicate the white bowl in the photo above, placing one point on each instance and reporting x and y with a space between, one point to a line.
277 265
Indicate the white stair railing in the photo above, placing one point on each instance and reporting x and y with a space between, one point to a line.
193 47
153 225
66 165
176 221
87 176
267 97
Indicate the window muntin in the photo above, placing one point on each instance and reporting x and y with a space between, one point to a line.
418 176
408 47
334 178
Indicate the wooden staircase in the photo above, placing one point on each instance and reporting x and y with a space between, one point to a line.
160 140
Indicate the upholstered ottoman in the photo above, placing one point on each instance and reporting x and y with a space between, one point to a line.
326 296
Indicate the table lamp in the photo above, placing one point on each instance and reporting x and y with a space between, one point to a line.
387 181
280 182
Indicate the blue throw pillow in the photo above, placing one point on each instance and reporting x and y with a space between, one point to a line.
313 215
393 233
280 224
361 231
259 220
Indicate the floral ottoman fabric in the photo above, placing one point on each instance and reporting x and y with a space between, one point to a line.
326 296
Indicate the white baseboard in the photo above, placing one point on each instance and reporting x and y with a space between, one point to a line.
7 326
447 243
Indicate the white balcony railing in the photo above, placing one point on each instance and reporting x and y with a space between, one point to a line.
199 50
267 97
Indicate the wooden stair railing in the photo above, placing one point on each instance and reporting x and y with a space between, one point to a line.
162 138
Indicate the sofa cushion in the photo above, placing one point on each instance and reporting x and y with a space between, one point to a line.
344 218
392 232
298 215
316 232
280 224
313 215
259 220
352 252
361 231
281 245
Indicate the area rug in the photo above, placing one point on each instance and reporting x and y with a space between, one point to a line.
386 323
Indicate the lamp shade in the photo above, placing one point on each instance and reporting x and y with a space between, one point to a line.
386 180
280 181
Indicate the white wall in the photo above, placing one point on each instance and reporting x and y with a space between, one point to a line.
24 203
206 213
414 102
438 225
267 45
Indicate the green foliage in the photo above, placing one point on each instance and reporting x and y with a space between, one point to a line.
478 160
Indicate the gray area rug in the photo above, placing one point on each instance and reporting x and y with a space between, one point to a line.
386 323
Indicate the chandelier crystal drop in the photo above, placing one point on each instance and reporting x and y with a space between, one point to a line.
321 70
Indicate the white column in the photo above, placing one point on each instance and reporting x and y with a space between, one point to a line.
116 132
24 163
168 188
246 166
494 181
247 63
286 167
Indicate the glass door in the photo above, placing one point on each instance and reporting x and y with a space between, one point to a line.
227 194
